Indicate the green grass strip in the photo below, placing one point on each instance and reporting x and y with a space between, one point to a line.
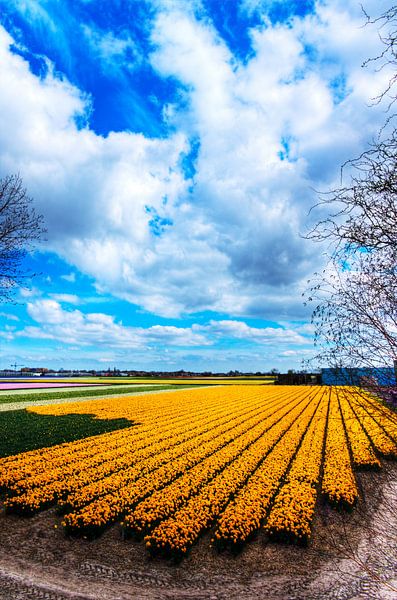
75 393
21 430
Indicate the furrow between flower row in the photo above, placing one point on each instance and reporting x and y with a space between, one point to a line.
165 502
178 533
99 460
244 515
99 513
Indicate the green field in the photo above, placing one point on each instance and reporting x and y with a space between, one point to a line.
42 395
21 431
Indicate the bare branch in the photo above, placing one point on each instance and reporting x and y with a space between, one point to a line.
20 228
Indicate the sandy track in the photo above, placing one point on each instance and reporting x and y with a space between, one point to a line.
347 560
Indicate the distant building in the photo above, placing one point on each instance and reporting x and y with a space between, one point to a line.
293 378
33 371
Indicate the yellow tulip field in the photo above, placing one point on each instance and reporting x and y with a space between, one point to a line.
229 460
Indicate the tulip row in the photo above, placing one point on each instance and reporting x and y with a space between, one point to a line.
165 502
381 428
339 484
292 512
244 515
376 431
128 488
360 444
372 403
178 533
112 474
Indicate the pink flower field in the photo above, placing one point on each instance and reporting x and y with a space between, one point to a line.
23 385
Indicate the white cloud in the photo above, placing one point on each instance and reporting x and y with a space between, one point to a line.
261 335
9 316
111 50
29 292
70 277
256 202
67 298
269 131
75 327
78 329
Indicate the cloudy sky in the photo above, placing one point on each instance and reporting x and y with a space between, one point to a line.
175 148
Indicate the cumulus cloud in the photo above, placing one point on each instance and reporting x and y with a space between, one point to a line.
270 130
76 328
226 236
261 335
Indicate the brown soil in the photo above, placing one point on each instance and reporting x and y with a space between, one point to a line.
352 556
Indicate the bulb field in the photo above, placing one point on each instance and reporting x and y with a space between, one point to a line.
229 460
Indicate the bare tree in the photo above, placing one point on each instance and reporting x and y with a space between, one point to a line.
387 23
20 227
355 316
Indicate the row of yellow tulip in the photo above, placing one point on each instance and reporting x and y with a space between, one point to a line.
361 446
292 512
339 484
381 429
176 534
379 438
118 494
158 404
244 515
372 403
164 423
164 502
41 490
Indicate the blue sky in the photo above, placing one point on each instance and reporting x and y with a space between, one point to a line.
173 148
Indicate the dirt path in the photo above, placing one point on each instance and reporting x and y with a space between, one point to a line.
352 557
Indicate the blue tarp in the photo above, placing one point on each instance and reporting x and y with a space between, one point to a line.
353 376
